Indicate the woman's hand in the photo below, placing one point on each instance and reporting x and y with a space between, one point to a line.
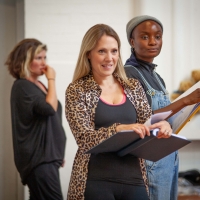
51 96
192 98
49 72
140 129
63 163
164 127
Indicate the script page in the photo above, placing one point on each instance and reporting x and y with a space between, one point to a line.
184 115
157 117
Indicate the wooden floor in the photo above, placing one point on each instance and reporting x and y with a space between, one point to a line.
193 197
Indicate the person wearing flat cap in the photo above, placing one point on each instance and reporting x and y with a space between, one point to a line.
144 34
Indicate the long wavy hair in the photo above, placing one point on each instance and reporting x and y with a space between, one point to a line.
89 42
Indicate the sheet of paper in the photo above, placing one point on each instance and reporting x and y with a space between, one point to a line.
155 131
157 117
183 115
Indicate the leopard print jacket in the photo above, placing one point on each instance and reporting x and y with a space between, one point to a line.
82 97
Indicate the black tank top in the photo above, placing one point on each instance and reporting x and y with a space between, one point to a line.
109 166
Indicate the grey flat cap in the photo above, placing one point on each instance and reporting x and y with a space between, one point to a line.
136 21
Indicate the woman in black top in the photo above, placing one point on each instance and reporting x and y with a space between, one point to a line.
38 136
100 102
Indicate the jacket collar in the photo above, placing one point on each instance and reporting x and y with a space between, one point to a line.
133 61
91 84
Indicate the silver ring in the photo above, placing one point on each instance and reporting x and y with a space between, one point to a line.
166 131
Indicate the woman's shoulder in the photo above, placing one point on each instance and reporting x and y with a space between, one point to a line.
22 84
78 83
159 76
133 81
134 84
24 88
20 81
85 83
131 72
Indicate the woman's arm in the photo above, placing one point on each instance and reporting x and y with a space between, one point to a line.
51 96
190 99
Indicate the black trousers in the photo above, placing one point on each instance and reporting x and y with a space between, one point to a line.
44 183
105 190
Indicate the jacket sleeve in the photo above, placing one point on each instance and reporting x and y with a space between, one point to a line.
80 116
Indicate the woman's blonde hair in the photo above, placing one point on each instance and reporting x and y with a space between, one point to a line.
19 59
89 41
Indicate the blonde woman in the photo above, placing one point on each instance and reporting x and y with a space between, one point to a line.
101 101
38 136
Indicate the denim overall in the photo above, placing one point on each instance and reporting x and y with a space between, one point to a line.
163 174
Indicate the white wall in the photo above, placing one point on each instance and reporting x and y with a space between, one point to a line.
61 25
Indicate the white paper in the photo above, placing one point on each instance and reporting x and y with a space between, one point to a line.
180 117
157 117
155 132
